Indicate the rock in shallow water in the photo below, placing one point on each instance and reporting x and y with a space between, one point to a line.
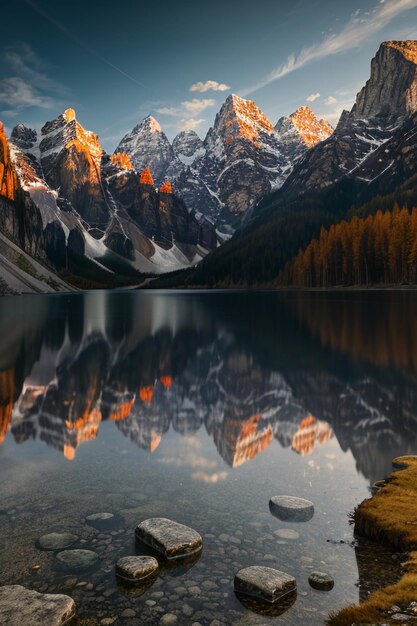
172 540
56 541
73 560
264 583
23 607
291 509
286 533
134 569
101 521
321 581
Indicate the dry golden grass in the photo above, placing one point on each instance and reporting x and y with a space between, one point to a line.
390 516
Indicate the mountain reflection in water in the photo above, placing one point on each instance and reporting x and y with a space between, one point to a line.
250 368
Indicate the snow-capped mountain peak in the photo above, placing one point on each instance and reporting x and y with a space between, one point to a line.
148 146
300 131
240 118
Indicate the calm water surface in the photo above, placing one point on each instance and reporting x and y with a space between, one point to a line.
200 407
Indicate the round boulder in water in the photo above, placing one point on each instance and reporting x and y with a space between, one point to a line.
56 541
321 581
135 569
77 560
291 509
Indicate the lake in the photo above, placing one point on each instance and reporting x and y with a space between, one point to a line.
200 407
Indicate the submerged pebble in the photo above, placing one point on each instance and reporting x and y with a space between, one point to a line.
56 541
77 559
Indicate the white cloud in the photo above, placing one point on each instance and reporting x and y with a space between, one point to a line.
209 85
331 100
312 97
195 106
190 123
16 92
28 83
351 36
171 111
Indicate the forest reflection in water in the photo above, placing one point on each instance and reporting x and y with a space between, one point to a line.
256 368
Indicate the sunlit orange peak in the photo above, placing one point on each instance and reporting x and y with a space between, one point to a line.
69 452
146 177
146 394
122 160
69 115
167 381
155 441
166 187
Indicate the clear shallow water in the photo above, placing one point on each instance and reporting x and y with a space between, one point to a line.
199 407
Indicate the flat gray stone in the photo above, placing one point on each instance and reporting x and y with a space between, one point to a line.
321 581
172 540
264 583
77 559
136 568
56 541
22 607
291 509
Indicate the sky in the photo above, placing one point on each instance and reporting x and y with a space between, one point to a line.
117 62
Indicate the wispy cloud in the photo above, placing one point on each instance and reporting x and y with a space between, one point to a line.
312 97
357 30
187 111
171 111
16 92
191 123
28 83
209 85
196 106
191 107
330 100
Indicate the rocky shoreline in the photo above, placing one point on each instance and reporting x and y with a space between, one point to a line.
390 517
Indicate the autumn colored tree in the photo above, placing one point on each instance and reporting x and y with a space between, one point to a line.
146 177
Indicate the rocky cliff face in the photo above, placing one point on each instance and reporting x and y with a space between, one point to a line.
392 87
382 107
9 182
186 146
70 157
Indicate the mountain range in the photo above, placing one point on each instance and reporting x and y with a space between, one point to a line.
232 208
366 164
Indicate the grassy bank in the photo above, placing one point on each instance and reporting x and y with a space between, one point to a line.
390 516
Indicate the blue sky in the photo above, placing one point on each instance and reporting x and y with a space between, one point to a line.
116 62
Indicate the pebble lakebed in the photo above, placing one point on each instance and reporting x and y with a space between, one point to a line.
181 594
